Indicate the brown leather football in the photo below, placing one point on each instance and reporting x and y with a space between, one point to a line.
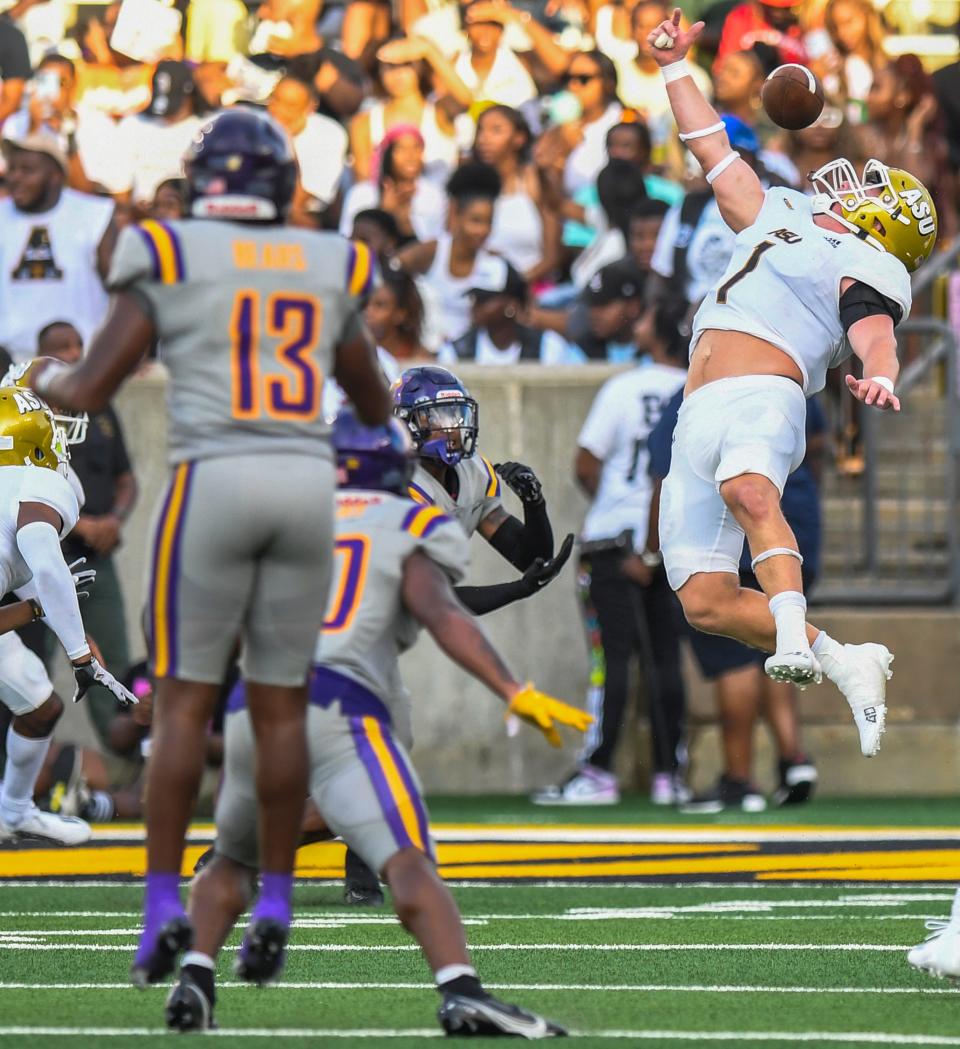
792 97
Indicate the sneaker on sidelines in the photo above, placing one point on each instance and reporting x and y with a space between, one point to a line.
939 954
862 677
67 792
798 778
668 788
726 794
586 786
462 1016
64 830
188 1008
796 668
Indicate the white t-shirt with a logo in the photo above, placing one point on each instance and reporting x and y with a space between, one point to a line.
623 413
48 269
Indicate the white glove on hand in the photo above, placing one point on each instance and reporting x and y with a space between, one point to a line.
94 673
82 577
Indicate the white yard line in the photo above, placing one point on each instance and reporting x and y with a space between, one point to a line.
645 988
411 947
819 1037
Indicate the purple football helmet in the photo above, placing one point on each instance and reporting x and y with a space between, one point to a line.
381 458
442 417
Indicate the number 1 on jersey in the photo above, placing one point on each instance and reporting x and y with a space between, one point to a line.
293 394
748 267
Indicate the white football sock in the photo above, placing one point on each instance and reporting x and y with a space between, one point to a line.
829 652
789 611
25 759
450 972
204 961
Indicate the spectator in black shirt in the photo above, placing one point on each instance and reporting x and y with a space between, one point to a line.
14 67
102 464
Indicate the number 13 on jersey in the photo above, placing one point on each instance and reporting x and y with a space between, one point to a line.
292 393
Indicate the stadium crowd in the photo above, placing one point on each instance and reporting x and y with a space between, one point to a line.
516 169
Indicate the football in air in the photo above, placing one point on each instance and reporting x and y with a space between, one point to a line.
792 97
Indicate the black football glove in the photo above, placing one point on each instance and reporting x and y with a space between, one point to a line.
522 481
542 572
94 673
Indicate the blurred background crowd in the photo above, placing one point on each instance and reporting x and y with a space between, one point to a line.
517 170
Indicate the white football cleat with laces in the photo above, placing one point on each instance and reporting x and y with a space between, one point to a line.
939 954
799 668
862 677
64 830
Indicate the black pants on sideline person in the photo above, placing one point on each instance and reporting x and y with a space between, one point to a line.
624 619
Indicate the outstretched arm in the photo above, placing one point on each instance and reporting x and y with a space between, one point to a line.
874 342
735 184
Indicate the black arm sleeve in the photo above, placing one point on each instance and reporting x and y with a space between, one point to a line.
522 544
860 300
483 599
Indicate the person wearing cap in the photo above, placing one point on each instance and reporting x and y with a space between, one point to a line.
150 145
496 334
55 246
772 24
613 301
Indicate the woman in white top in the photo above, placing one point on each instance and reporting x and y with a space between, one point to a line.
418 204
525 231
856 33
403 75
592 79
456 261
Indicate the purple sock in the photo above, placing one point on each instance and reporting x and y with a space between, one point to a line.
276 892
162 895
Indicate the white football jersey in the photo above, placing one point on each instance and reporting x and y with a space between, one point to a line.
29 484
783 285
623 413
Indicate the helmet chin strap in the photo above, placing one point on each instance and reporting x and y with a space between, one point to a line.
438 448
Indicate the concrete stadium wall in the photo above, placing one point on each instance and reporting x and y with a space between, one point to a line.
534 415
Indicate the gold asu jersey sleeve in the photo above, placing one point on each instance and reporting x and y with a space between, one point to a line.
248 320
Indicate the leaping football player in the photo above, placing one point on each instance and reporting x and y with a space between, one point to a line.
805 274
396 563
251 316
38 507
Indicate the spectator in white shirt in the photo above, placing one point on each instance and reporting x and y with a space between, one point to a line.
87 136
497 335
151 144
319 142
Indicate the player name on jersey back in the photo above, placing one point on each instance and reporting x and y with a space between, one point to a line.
248 318
783 285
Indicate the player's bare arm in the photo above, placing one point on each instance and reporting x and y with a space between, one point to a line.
114 352
358 371
429 597
875 344
735 185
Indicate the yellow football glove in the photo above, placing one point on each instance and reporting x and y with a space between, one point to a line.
541 711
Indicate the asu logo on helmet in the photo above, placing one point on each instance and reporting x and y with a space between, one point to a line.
29 436
888 207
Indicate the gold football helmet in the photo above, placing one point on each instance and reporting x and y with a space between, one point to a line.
29 436
888 207
72 424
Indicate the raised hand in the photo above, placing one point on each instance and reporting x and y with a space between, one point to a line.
544 712
669 43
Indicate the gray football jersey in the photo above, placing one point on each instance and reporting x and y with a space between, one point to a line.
248 319
366 627
478 493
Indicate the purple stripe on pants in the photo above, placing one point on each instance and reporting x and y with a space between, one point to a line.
388 804
412 790
173 580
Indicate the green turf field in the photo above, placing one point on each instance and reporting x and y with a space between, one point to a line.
753 963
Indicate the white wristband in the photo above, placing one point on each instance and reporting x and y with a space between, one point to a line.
702 132
718 169
882 380
675 71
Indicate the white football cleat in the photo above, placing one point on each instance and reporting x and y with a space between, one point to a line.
862 677
799 668
64 830
939 954
586 786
